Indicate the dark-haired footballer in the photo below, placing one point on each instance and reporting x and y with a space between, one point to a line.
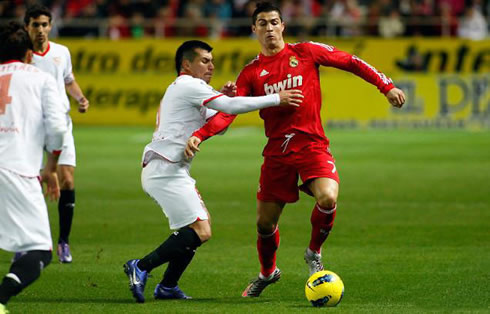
297 146
31 119
165 177
55 59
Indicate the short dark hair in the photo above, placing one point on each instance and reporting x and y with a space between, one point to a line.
14 42
35 11
265 7
187 51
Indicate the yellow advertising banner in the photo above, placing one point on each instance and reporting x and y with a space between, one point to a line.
447 81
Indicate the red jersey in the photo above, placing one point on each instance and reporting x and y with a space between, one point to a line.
289 129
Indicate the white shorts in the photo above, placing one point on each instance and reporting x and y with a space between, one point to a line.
24 223
171 186
68 154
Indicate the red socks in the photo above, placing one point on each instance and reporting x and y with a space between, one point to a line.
321 222
267 246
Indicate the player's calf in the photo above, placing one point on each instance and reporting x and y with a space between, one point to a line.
22 273
66 208
267 245
322 220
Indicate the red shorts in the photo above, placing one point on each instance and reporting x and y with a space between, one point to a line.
279 174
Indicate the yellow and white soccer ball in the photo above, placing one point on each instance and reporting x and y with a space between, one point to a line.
324 288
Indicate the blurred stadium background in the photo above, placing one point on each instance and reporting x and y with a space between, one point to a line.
438 51
412 230
229 18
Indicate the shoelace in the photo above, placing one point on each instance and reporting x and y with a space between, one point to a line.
316 262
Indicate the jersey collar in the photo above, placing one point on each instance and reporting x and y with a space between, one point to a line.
43 53
277 55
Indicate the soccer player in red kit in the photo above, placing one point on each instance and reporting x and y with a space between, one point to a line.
297 146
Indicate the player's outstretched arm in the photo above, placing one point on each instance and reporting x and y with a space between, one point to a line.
396 97
237 105
192 147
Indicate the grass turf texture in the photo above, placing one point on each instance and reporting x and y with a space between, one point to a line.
411 235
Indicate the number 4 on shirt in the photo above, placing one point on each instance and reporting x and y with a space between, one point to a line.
5 99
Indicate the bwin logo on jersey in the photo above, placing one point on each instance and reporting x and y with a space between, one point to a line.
290 82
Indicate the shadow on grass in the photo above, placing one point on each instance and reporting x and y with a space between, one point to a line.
77 300
232 300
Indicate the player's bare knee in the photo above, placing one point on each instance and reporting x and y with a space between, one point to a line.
203 230
67 180
266 227
67 184
328 199
204 235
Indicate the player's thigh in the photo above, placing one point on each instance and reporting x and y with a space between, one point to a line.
24 223
171 186
317 163
278 181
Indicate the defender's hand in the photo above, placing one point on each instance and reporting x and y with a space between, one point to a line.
229 89
83 105
52 190
192 147
396 97
291 97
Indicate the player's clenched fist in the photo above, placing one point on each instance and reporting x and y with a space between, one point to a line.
396 97
83 104
291 97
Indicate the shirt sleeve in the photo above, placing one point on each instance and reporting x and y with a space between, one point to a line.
221 121
198 93
68 71
210 113
327 55
236 105
215 125
53 115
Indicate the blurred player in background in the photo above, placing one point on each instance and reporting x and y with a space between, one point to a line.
297 146
30 113
187 102
55 59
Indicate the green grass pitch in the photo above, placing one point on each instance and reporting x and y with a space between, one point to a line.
412 233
